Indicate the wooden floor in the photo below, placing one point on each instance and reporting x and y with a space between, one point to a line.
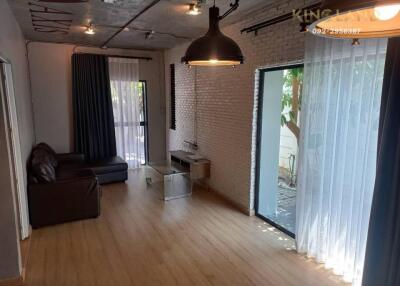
141 240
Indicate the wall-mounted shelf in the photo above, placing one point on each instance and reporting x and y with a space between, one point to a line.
199 169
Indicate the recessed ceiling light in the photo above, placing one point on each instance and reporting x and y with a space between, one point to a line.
126 29
194 9
109 1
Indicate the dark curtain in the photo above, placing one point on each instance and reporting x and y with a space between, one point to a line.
382 261
93 113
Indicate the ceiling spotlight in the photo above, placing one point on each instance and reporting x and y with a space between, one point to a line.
90 30
148 35
194 9
126 29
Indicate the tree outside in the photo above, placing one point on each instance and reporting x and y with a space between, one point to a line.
291 100
290 112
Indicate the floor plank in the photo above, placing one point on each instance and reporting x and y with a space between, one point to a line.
141 240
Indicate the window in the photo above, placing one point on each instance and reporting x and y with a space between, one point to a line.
129 108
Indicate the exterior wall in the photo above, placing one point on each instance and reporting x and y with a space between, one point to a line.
12 48
226 101
50 66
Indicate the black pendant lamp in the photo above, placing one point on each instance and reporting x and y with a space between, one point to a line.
358 19
214 48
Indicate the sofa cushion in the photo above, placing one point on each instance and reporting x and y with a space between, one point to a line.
42 164
42 152
114 164
66 173
43 172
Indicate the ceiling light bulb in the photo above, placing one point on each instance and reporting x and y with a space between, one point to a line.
89 30
193 10
386 12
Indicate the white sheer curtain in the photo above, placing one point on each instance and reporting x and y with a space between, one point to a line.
124 77
339 131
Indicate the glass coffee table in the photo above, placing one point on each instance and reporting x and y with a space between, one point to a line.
176 182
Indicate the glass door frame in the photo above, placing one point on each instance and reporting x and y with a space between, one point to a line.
145 123
258 142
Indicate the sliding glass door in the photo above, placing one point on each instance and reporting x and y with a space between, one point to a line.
277 152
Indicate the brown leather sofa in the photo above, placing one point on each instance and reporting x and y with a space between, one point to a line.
64 187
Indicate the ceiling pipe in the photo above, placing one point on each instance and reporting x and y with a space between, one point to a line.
129 22
134 29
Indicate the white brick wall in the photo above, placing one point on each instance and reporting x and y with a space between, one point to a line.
226 101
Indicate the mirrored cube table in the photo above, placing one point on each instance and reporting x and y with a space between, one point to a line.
175 179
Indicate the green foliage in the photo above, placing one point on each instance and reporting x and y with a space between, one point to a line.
287 113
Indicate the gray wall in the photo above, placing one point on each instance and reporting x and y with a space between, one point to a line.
50 66
12 47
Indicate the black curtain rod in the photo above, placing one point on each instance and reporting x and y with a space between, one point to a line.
276 20
129 22
119 56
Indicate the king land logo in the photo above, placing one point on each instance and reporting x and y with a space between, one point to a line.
309 16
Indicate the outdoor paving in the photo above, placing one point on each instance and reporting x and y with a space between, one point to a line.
286 212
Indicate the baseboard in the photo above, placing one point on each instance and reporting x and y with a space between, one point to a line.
252 212
25 250
237 206
18 281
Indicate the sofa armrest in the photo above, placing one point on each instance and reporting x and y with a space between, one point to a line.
71 158
64 200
